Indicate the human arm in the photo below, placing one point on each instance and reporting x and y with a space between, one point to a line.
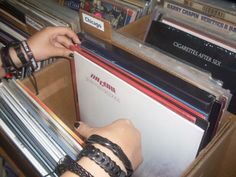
121 132
49 42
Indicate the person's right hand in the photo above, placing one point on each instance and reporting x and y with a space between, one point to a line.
52 42
123 133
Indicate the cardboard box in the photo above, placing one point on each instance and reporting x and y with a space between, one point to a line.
56 90
218 159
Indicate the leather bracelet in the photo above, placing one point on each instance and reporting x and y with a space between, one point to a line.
102 160
68 164
4 58
114 148
30 55
8 64
20 54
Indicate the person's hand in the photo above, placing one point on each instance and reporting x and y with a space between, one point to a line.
123 133
52 42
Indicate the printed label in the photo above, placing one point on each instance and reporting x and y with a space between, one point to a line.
200 18
212 11
104 86
33 23
93 22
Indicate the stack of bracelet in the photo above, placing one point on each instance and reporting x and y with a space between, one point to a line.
99 158
27 67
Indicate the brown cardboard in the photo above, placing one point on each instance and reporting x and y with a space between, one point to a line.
10 161
218 159
56 90
105 35
138 29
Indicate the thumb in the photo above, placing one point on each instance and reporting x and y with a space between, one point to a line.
83 129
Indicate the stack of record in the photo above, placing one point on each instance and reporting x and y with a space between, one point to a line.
32 16
176 118
38 135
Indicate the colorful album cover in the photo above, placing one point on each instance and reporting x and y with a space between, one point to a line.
116 14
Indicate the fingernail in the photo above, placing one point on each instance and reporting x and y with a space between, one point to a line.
71 55
76 125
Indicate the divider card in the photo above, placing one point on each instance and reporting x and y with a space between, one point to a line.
170 142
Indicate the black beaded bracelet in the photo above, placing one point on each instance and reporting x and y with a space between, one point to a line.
114 148
68 164
102 160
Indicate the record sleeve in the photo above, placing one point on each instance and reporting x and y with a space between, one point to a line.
195 51
213 26
118 13
225 10
38 15
111 85
36 132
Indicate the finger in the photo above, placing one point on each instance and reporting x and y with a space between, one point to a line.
84 130
63 52
63 40
69 33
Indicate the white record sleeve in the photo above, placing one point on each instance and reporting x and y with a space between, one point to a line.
169 141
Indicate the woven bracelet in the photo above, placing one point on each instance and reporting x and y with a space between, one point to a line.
114 148
102 160
20 54
68 164
30 55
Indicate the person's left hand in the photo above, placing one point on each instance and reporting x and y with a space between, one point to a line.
52 42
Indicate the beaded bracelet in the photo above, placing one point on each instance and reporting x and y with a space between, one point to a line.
114 148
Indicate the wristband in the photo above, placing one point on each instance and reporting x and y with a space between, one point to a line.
20 54
30 55
114 148
102 160
7 63
68 164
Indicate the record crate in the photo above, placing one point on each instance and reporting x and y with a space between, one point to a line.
56 90
222 146
217 159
